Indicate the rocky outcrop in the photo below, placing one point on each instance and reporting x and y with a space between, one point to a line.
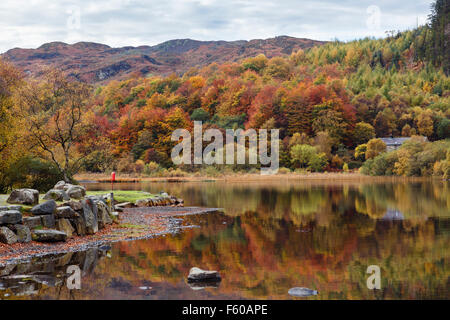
89 215
49 235
24 196
23 233
57 195
199 275
48 207
7 236
10 217
65 226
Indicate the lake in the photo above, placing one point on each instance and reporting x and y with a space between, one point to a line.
271 237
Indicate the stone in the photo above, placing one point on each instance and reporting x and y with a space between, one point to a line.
49 235
60 185
57 195
76 192
302 292
24 196
10 217
13 207
7 236
23 233
79 225
66 212
124 205
75 205
197 274
103 215
48 207
65 226
48 221
32 222
89 215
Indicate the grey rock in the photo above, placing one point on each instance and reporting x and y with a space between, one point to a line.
60 185
23 233
10 217
197 274
302 292
76 192
48 207
32 222
65 226
7 236
66 212
48 220
13 207
24 196
89 215
75 205
79 225
49 236
57 195
103 215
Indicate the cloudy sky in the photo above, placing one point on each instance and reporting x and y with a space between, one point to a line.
30 23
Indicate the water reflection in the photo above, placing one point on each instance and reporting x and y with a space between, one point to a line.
276 236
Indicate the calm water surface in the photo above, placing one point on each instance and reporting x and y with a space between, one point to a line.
271 237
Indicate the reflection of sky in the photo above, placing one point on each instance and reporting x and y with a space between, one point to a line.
25 23
393 214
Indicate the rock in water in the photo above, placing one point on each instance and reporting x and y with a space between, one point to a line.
10 217
198 275
57 195
49 235
23 233
302 292
48 207
24 196
7 236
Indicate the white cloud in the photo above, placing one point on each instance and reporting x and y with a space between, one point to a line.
29 24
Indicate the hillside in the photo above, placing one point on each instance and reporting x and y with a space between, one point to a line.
99 63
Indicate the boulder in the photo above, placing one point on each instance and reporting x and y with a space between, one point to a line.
48 220
7 236
66 212
89 215
49 235
103 215
199 275
32 222
23 233
57 195
13 207
76 192
79 225
65 226
302 292
60 185
10 217
48 207
75 205
24 196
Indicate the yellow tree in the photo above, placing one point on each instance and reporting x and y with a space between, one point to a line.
52 112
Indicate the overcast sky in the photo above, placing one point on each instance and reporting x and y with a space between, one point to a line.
30 23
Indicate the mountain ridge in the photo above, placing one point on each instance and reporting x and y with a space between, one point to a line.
98 63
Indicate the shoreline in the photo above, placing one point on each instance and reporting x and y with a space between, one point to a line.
134 224
248 177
